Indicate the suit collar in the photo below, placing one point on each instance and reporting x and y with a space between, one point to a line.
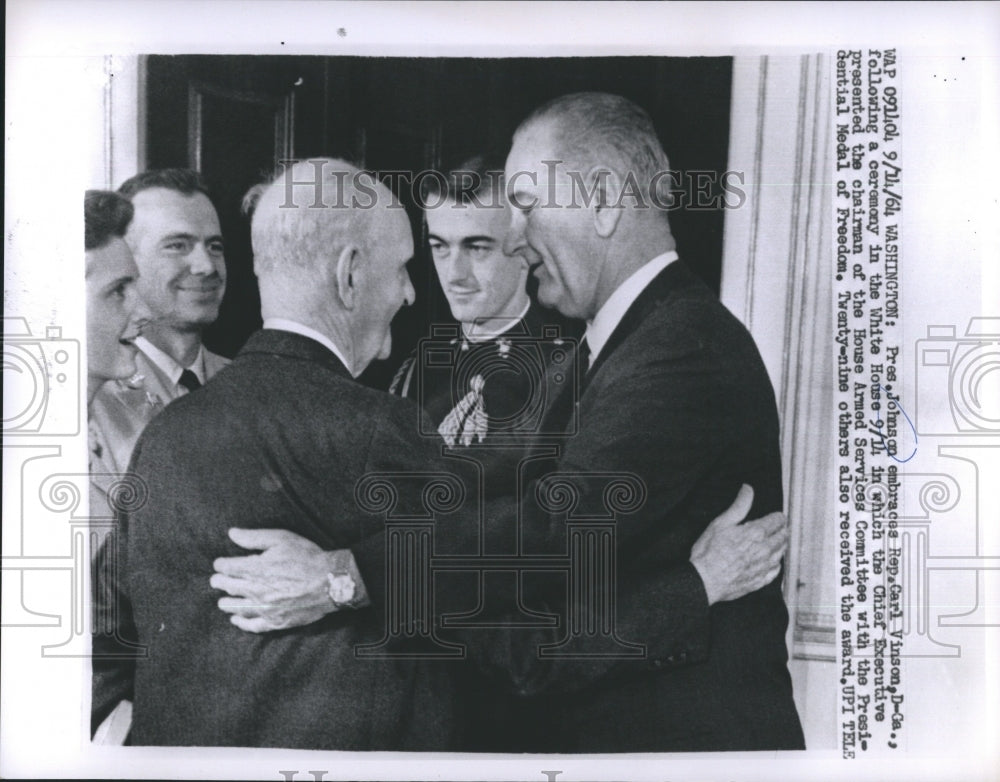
295 327
286 343
529 324
602 326
536 318
673 278
491 329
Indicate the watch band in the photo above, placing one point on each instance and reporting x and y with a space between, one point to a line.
345 586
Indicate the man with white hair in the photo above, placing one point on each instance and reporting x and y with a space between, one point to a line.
673 391
278 439
290 436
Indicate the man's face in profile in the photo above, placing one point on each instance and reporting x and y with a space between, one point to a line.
479 281
113 310
549 227
383 284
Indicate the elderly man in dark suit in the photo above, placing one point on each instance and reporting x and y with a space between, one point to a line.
674 392
279 438
291 434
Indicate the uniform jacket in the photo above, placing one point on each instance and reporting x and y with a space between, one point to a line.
121 408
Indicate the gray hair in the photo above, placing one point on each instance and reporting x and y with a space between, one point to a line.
308 213
601 129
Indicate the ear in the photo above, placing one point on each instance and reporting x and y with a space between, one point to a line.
606 209
346 273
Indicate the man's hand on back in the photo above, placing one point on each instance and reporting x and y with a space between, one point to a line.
287 584
284 586
736 559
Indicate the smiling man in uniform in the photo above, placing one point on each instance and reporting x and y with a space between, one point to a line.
177 244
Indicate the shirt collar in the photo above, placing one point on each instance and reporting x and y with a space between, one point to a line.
485 329
166 364
284 324
600 329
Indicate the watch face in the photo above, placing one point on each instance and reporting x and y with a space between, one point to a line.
341 588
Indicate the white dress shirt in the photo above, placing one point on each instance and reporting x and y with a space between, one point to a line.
284 324
608 317
485 329
170 368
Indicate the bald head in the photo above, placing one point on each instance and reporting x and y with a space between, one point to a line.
310 212
330 250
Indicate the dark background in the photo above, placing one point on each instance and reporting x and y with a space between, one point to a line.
233 117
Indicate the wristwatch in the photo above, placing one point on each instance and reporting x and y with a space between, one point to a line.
342 589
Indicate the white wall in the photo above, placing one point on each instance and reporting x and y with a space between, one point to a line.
775 278
123 122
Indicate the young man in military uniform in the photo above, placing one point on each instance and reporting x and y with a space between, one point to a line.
482 381
483 385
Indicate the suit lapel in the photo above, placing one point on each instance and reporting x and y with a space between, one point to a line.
672 279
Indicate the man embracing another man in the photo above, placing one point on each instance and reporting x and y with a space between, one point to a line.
673 391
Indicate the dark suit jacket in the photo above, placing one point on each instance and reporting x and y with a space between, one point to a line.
277 439
116 416
498 714
680 398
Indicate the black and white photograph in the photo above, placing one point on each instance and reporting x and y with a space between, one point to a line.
501 391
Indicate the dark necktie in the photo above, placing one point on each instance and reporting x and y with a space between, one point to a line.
566 393
189 380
